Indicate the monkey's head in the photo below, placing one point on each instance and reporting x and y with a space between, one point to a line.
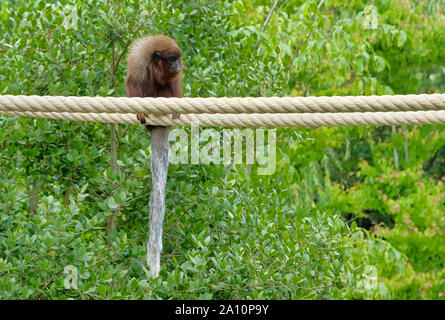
165 57
158 57
168 60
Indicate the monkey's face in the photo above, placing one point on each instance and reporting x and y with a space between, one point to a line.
170 63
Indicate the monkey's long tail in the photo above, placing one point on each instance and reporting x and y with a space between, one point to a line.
159 166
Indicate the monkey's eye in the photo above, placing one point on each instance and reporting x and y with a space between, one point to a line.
173 58
157 54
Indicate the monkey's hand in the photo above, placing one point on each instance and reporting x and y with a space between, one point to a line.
141 117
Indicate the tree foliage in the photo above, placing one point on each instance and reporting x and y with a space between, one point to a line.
337 211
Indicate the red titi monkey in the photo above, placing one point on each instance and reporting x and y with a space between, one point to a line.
154 70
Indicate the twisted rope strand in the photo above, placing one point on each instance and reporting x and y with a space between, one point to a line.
313 120
164 106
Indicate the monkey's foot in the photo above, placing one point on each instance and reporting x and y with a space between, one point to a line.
141 118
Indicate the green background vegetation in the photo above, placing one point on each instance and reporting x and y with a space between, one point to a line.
339 209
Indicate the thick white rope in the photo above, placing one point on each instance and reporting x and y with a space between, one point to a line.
163 106
255 120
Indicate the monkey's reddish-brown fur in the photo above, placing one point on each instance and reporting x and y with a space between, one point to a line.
149 78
